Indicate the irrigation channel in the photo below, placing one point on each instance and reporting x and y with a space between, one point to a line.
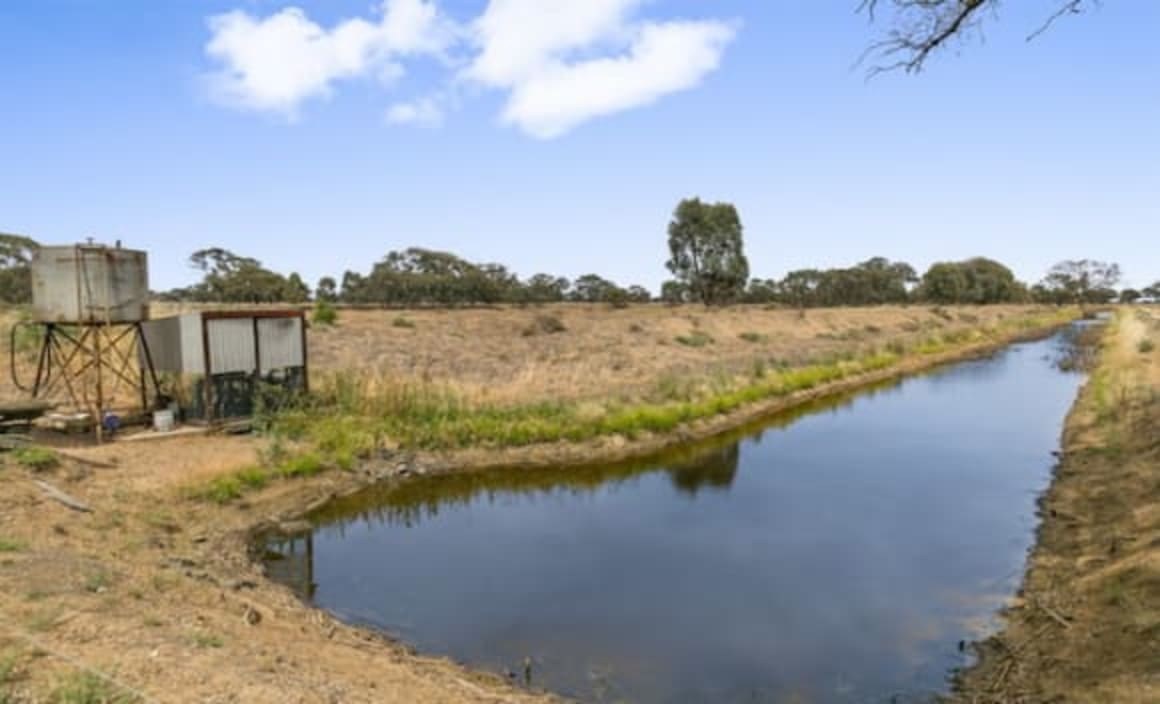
842 553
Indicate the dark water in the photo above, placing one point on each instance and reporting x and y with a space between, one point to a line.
836 556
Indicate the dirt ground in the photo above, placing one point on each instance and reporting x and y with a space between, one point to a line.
153 594
1086 625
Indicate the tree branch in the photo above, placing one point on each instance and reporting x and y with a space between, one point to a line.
921 27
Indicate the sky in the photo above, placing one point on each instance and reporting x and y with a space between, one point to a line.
559 135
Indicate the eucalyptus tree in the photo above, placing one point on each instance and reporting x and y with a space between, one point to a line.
706 250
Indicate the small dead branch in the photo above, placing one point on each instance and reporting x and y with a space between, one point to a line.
1055 615
85 461
61 497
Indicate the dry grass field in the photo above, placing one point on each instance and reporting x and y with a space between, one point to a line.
514 355
511 355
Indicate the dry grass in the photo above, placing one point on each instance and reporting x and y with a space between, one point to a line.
486 355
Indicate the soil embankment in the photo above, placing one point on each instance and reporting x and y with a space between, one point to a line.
153 594
1086 624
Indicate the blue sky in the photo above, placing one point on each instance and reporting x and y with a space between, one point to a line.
554 148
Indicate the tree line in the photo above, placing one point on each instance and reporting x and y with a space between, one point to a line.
706 259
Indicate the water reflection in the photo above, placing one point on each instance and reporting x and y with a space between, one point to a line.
835 554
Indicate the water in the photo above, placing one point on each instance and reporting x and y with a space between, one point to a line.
839 555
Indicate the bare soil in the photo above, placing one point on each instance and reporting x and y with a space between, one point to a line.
156 592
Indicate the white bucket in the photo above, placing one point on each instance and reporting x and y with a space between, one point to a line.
163 421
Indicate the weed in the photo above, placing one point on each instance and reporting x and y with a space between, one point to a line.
152 622
36 458
87 688
98 582
221 490
1145 346
696 338
306 465
7 669
753 337
206 641
403 321
8 545
325 313
253 478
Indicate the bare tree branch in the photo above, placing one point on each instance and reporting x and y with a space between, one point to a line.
1072 7
921 27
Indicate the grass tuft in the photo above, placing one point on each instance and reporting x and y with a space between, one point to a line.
87 688
36 458
403 321
696 338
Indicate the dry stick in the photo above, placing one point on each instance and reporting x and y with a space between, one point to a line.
85 461
58 495
1052 613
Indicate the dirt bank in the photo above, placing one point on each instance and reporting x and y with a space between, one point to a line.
1086 624
154 593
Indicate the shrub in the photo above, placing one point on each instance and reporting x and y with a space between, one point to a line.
325 313
1145 346
753 337
696 338
403 321
545 325
36 458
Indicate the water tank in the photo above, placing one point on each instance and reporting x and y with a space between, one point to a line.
90 283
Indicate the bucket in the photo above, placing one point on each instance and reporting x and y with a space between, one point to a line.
163 421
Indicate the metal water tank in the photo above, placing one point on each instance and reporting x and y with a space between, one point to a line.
90 283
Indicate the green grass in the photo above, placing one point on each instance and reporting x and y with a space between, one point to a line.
754 337
306 465
36 458
9 545
87 688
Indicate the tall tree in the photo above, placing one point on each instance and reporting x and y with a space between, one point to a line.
706 250
16 253
327 289
1083 280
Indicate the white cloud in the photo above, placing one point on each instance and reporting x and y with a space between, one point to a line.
424 112
278 62
567 62
663 59
562 62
